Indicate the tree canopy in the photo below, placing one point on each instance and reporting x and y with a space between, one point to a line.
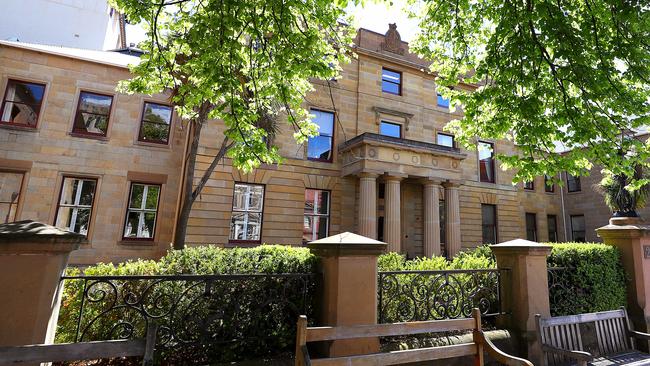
573 73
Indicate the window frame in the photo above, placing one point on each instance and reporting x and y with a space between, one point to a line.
128 208
20 193
575 179
87 134
329 210
92 205
401 135
453 139
240 241
529 186
532 215
169 126
554 220
399 85
496 223
4 102
573 231
548 188
493 161
332 138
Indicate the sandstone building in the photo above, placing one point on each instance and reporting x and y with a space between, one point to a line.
77 154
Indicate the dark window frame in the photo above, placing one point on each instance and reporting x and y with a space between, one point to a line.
496 223
332 138
492 162
126 215
92 205
142 120
235 242
453 138
4 103
401 134
399 85
532 230
548 221
329 209
583 231
87 134
576 181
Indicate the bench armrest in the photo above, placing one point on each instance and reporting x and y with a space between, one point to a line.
576 355
499 355
640 335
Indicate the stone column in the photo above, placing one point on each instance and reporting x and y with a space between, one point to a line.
632 238
524 292
33 257
349 288
392 216
431 218
452 209
368 205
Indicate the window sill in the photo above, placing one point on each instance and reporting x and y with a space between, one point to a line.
243 244
17 127
89 136
137 242
158 145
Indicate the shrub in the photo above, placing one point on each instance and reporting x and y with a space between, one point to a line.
237 311
595 281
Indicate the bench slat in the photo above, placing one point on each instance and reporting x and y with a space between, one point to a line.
582 318
400 357
315 334
72 351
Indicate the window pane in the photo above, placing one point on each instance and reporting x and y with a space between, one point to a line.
22 102
486 162
319 147
157 113
93 113
391 76
552 228
254 225
87 192
148 223
531 227
573 183
239 198
390 87
74 219
325 122
390 129
95 103
489 223
548 184
308 228
323 202
256 198
154 132
132 223
309 200
90 123
237 226
152 197
137 191
24 114
443 102
529 185
445 140
24 92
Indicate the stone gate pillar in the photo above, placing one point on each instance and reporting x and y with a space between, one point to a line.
632 238
349 290
524 292
33 257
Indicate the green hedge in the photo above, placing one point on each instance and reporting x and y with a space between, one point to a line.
238 299
595 280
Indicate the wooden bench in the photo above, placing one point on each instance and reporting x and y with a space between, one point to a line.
82 350
603 338
315 334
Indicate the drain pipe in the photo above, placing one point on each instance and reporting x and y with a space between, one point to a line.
566 237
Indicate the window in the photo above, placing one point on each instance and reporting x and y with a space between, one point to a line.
390 129
531 226
549 187
489 220
10 187
578 228
552 228
142 211
155 123
75 204
247 205
529 185
320 147
380 228
572 183
22 103
443 102
391 81
445 139
486 161
93 112
317 214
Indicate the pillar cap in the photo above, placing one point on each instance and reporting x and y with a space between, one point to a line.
624 227
347 244
521 246
37 237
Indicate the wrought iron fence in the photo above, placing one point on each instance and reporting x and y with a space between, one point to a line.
205 318
564 294
435 295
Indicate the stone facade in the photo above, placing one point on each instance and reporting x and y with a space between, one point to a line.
378 185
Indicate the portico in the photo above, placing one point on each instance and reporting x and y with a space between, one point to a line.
398 163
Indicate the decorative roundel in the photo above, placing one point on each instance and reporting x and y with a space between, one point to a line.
434 162
454 164
415 159
372 153
396 156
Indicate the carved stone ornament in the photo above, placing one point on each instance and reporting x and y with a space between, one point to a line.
392 40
